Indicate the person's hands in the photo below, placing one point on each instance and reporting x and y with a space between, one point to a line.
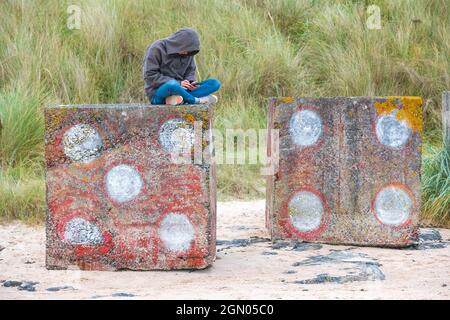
187 85
195 84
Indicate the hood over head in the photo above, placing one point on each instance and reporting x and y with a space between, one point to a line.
185 39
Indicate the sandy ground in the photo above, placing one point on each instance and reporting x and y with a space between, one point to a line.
248 266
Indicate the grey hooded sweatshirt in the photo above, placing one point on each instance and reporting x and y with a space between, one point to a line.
163 63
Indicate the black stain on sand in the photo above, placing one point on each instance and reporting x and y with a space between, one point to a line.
364 267
20 285
296 245
56 289
429 239
276 245
429 235
237 243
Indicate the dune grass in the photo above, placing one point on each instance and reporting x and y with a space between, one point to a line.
257 48
436 187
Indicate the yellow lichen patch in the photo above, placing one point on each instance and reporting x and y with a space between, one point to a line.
286 99
205 120
189 117
410 110
384 108
56 118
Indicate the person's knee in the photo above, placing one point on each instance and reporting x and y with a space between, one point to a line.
172 83
215 84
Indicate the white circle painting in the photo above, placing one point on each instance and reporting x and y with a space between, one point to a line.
393 206
391 132
305 128
79 231
82 143
176 232
176 135
123 183
306 211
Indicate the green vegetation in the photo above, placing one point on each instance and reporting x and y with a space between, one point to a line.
257 48
436 187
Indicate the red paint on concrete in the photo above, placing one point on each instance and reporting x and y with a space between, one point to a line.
285 220
129 229
348 166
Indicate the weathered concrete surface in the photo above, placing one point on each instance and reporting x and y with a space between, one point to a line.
446 117
115 198
349 170
248 266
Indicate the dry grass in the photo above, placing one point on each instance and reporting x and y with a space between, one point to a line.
258 48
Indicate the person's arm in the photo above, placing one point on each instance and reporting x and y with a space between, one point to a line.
152 73
190 71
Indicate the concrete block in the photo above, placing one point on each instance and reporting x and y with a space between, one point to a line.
446 117
349 170
116 199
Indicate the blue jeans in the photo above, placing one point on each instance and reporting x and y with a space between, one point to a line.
173 87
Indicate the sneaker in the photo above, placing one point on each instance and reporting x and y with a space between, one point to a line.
208 99
174 100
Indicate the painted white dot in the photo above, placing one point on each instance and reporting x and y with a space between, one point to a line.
123 183
82 143
391 132
306 211
176 232
305 127
393 206
176 135
82 232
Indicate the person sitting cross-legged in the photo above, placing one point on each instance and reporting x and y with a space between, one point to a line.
169 71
